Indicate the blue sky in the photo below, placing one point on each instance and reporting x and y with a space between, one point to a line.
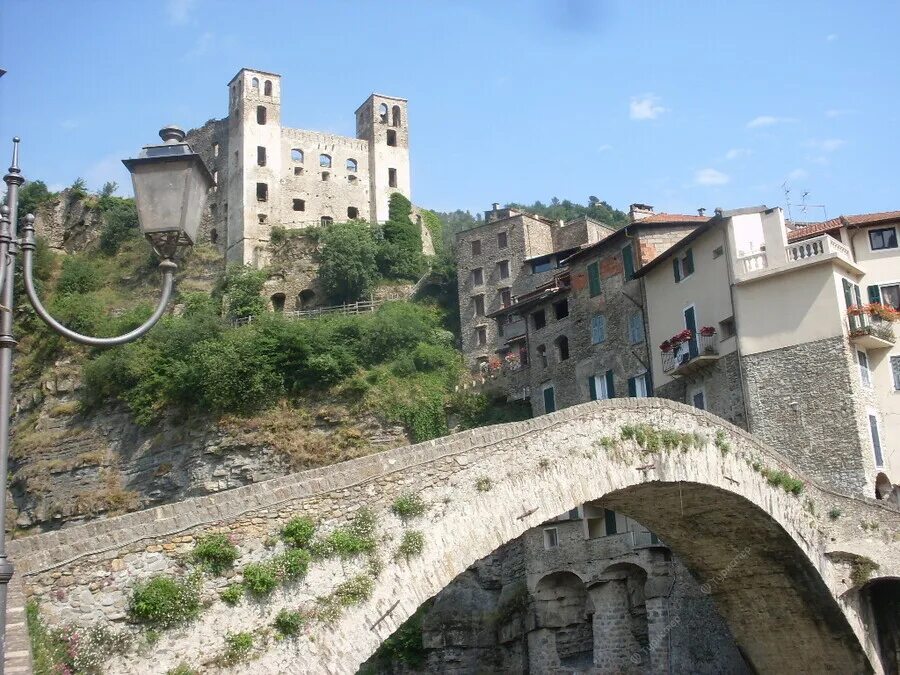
678 104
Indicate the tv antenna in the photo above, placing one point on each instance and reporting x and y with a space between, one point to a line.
804 206
787 198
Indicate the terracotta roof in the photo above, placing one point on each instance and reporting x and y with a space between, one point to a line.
842 221
672 218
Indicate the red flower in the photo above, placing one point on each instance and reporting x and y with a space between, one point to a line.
707 331
666 346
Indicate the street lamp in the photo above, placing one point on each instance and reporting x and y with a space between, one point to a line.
171 183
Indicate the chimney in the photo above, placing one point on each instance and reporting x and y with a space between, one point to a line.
495 206
719 212
638 212
701 211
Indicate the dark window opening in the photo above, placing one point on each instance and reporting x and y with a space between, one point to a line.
476 247
351 179
326 175
883 238
392 177
262 192
278 302
505 298
299 205
392 138
352 212
542 264
477 277
214 235
254 84
326 220
260 114
395 116
503 268
478 300
298 170
261 218
727 328
562 348
481 336
306 299
502 240
561 309
539 319
260 155
267 88
542 355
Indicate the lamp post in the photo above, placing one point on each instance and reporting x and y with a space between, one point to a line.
171 183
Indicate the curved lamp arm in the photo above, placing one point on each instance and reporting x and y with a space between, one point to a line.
167 267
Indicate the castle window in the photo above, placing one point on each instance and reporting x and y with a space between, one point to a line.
261 218
296 155
278 302
215 149
325 161
542 355
267 88
538 319
260 155
298 170
561 309
262 192
383 113
299 205
326 220
352 212
505 297
326 175
254 84
478 308
392 138
477 277
214 235
351 179
562 348
502 240
395 116
307 298
260 114
392 177
503 269
351 165
481 336
476 247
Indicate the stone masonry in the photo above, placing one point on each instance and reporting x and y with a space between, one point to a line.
758 550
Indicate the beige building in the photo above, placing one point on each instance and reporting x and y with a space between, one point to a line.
268 175
783 334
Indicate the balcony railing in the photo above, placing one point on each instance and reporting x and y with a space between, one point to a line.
799 253
685 358
871 331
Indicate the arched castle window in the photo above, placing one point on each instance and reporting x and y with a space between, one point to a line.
267 88
351 165
383 113
395 116
325 161
254 84
392 138
352 212
297 155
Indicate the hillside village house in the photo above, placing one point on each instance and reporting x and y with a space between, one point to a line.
785 332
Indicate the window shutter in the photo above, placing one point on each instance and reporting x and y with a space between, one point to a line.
632 387
592 385
610 389
874 294
848 293
676 269
609 518
628 262
594 278
689 261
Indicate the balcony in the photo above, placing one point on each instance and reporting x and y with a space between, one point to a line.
798 254
685 354
871 328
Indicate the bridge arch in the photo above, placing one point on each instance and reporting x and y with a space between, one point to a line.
709 490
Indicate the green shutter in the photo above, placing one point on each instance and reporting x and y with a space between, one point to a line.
610 389
549 400
592 386
609 518
689 262
874 294
676 268
632 387
848 293
628 261
594 278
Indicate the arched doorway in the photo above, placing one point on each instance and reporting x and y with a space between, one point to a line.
278 302
882 596
562 613
306 299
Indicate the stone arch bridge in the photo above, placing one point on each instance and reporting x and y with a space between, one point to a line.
788 572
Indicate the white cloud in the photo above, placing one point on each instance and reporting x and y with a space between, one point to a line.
737 153
645 107
838 112
768 121
827 145
831 37
797 174
179 11
201 47
69 124
710 177
604 148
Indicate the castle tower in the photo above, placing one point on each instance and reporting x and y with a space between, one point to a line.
254 163
383 122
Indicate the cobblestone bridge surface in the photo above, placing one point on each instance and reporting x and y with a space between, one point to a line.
785 569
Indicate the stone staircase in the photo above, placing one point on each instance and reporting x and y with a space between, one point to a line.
18 646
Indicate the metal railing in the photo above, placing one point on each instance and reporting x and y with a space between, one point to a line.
677 356
360 307
867 324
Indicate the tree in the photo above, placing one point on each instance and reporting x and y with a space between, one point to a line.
347 269
400 254
32 195
243 286
120 222
109 188
78 189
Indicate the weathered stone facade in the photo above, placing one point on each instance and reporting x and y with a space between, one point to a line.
758 550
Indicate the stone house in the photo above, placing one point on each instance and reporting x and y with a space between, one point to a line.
270 175
784 339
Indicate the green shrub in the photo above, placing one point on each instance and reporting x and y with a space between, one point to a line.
165 601
288 622
120 222
298 532
409 506
242 289
347 267
215 552
483 484
293 563
347 542
260 579
237 648
232 594
31 196
183 669
400 254
783 480
355 590
835 513
81 313
79 275
411 545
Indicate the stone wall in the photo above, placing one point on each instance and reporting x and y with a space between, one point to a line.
760 552
721 386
